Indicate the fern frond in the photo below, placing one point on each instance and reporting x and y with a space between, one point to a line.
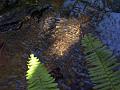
101 63
38 77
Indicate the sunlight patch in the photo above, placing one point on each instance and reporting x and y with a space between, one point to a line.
67 34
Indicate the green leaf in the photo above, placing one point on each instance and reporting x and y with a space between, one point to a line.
101 64
38 78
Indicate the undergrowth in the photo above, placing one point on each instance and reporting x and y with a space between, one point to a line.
38 78
101 64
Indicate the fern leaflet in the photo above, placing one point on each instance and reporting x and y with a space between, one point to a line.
101 64
38 77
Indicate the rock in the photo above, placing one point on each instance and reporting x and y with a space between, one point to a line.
109 29
114 5
13 20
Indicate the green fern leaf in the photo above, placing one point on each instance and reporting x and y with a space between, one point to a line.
100 64
38 77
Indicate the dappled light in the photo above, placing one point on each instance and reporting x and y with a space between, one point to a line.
53 30
67 32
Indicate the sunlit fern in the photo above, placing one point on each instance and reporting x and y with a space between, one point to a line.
38 77
101 64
